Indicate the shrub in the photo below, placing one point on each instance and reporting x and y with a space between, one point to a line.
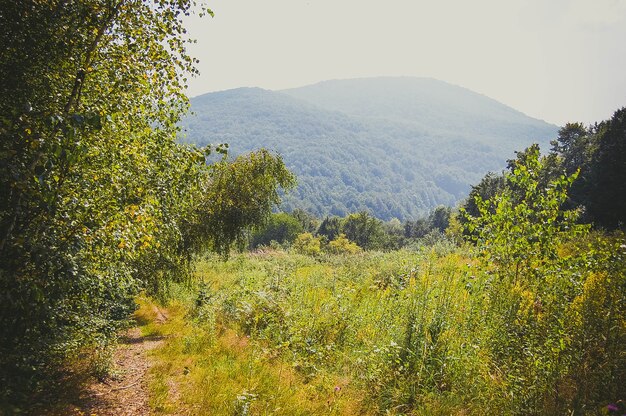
341 245
307 244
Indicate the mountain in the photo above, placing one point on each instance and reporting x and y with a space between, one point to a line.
394 146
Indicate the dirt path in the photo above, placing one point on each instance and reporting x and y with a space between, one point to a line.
126 393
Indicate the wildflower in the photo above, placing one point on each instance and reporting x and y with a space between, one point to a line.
337 388
611 407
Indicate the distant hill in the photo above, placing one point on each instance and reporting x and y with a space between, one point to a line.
396 147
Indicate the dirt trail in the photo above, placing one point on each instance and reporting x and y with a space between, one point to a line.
125 394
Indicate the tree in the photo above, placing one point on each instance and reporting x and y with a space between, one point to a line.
307 244
597 152
489 186
239 195
573 144
281 228
607 194
307 220
97 198
363 229
440 218
393 231
330 227
92 181
572 152
524 223
549 169
416 229
341 245
551 296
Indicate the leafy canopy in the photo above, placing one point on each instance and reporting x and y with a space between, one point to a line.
98 200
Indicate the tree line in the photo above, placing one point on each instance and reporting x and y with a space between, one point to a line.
361 228
595 154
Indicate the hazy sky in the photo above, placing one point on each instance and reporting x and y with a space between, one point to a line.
557 60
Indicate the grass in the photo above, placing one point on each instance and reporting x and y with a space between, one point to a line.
207 370
288 334
401 333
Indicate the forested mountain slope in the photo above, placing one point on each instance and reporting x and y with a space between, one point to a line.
434 106
394 146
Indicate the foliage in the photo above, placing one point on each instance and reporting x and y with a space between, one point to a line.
363 229
240 194
98 200
595 154
440 218
307 244
598 153
417 229
281 228
595 320
530 320
607 191
341 245
574 148
330 227
393 235
488 187
455 228
308 221
403 332
416 331
408 146
92 182
573 144
539 287
524 223
437 220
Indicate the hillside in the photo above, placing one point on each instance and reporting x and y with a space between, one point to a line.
394 146
432 105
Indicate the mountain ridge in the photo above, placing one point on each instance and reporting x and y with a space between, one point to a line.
396 147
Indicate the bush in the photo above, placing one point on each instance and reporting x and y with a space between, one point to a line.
341 245
307 244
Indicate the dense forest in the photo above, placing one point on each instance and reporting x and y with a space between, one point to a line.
512 302
396 147
593 156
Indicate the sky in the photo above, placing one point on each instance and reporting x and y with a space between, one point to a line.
556 60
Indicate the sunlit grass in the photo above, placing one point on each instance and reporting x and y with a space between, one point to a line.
284 334
203 370
401 333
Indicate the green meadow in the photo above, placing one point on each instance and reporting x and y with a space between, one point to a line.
429 331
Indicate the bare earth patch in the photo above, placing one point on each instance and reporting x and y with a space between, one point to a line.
126 393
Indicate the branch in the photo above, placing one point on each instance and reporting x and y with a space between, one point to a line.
79 80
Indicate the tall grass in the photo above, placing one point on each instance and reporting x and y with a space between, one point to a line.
407 332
